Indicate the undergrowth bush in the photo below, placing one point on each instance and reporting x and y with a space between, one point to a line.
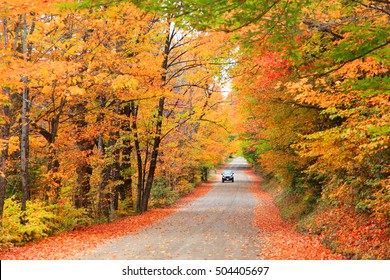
38 221
70 218
163 195
20 227
184 187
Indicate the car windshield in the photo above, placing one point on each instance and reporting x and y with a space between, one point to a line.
227 173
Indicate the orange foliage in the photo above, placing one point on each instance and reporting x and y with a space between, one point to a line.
111 90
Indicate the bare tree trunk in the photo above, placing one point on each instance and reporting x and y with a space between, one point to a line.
4 138
5 31
24 138
114 167
24 149
84 169
54 164
102 198
140 170
125 188
108 187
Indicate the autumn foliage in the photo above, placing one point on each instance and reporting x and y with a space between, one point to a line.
108 109
105 111
316 121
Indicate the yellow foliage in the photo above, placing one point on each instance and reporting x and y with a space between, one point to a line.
76 91
13 144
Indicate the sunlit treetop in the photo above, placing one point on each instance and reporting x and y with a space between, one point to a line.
10 7
221 15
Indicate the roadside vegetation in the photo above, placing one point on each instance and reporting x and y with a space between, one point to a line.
105 111
109 108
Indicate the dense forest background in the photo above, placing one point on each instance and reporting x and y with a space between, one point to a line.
108 108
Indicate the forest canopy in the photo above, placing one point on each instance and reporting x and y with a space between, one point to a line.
108 108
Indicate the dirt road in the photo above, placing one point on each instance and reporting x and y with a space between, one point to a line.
218 226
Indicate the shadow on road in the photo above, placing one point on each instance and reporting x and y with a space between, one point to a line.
235 166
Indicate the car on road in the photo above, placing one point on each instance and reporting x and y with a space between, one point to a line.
227 175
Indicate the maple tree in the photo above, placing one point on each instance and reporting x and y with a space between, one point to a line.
351 155
320 127
109 107
311 93
104 102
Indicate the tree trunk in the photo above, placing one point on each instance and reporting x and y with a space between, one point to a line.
205 172
24 138
125 188
140 170
154 157
4 137
84 169
24 149
102 198
145 188
84 172
5 31
114 167
54 185
54 164
5 134
108 187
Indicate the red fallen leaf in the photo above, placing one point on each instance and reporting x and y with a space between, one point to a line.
281 242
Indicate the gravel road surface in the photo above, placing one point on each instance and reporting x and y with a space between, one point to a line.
216 226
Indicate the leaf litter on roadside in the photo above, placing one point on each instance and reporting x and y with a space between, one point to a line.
71 244
280 241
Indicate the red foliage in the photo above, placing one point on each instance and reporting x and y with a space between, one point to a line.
274 67
355 236
280 240
68 245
